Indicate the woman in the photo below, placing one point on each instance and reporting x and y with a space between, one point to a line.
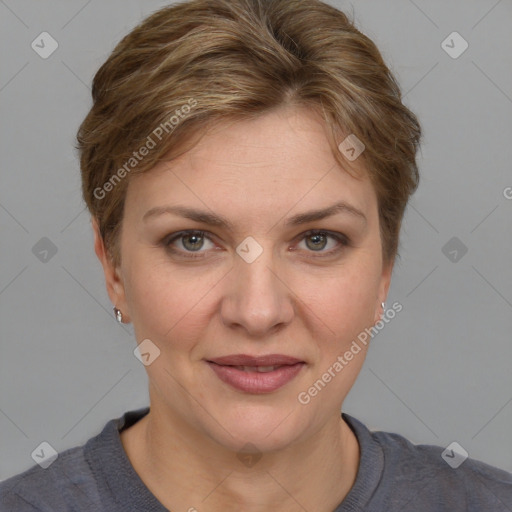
247 164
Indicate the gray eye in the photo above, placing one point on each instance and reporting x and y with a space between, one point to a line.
318 241
192 241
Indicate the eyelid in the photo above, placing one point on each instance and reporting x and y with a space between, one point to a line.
342 239
169 239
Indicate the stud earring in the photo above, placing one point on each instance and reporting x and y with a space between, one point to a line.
383 304
118 314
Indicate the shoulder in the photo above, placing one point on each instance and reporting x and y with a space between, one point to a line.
445 476
427 477
76 479
67 480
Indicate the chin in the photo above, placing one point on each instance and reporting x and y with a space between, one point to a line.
268 427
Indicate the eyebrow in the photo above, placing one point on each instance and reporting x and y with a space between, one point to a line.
217 220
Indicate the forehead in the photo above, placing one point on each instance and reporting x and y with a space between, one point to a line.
276 162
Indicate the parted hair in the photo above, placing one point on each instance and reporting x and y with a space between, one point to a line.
200 62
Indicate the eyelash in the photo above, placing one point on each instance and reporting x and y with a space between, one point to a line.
339 237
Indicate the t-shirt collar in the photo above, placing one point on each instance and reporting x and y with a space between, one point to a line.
113 470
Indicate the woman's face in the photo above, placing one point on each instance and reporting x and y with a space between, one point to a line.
259 285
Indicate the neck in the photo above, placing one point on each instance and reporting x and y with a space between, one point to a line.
187 471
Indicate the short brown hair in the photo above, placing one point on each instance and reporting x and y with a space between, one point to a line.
203 61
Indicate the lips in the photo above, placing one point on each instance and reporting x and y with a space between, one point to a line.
245 360
262 374
260 369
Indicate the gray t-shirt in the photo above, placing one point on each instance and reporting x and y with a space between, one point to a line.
393 475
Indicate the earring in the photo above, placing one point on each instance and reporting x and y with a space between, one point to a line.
383 304
118 314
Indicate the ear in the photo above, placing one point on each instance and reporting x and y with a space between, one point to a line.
385 281
113 278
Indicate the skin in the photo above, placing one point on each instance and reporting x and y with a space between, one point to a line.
294 299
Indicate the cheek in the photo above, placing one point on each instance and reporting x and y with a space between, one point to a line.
169 303
343 303
166 303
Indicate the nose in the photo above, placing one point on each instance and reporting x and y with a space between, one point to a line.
257 298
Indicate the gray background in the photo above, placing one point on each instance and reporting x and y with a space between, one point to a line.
439 372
